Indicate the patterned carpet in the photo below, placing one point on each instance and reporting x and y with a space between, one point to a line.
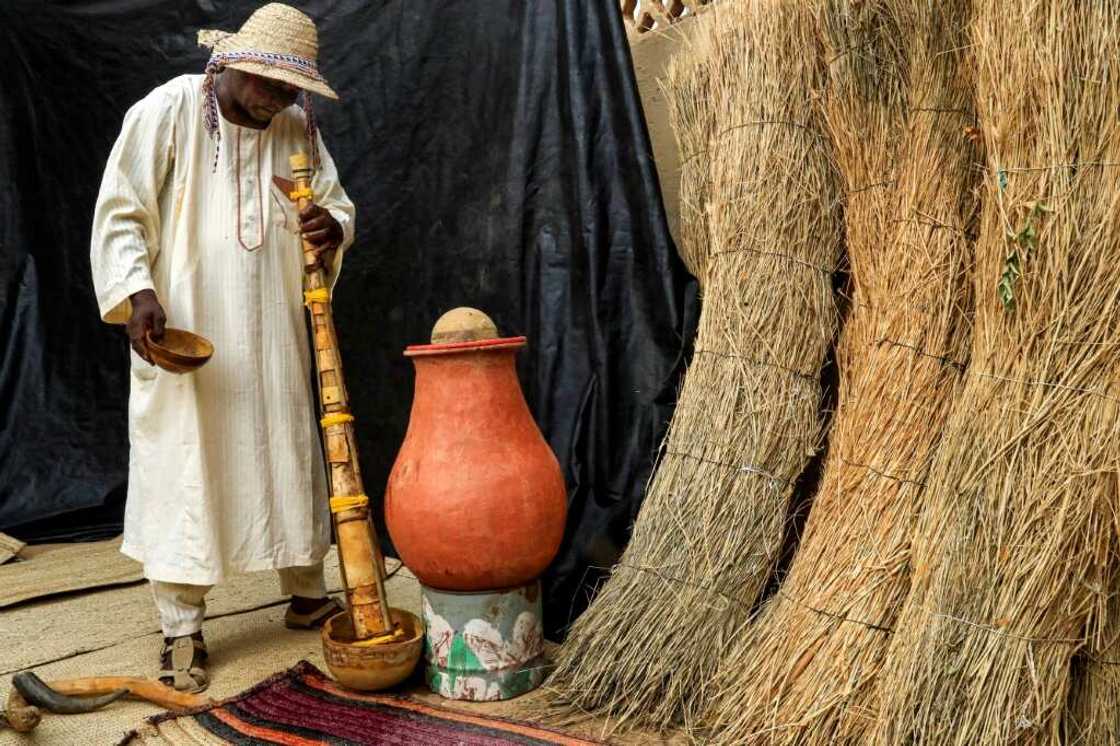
303 707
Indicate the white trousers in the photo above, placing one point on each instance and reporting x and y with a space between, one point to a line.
182 607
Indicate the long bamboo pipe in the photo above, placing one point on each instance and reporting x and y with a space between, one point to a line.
363 566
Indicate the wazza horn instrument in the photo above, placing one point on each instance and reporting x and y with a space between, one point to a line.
360 558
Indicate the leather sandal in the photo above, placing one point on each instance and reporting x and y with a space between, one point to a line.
313 619
184 657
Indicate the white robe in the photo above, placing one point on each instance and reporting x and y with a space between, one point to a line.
226 469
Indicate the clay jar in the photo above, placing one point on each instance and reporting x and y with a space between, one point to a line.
476 500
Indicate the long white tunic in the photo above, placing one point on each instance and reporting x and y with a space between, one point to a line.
226 470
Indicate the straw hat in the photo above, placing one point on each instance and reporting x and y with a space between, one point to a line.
277 42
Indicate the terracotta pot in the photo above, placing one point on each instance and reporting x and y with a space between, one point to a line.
476 500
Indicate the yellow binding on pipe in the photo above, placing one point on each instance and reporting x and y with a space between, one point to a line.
348 502
318 295
336 418
396 634
298 193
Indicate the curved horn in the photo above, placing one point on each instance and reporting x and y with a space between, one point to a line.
39 694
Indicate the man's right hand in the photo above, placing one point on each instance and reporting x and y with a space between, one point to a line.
147 316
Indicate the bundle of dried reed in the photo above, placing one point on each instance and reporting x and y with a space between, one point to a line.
1092 716
897 108
687 89
1015 524
748 417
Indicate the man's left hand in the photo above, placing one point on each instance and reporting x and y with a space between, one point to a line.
321 230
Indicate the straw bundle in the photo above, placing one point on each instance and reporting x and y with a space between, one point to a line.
691 105
748 416
805 672
1015 525
1093 714
1093 718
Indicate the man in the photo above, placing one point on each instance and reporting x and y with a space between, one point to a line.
192 230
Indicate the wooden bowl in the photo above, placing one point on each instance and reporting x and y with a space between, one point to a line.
180 351
371 668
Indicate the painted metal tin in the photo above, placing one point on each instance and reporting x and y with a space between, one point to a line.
483 646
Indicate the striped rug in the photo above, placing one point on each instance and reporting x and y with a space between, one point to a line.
303 707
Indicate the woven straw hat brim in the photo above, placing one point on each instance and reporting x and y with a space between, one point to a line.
285 76
273 29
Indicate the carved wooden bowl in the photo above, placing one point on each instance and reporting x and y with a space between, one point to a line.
371 668
180 351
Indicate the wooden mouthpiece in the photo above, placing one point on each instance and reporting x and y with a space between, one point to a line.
301 168
299 161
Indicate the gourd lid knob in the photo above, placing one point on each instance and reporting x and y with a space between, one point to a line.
463 325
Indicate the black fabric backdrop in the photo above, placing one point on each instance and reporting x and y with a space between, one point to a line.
498 157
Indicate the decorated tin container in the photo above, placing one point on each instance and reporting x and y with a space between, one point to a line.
483 646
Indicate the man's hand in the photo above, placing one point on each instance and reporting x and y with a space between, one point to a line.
321 230
147 316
